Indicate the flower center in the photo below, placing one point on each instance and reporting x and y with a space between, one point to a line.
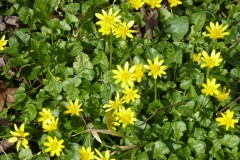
130 94
211 63
126 76
127 117
217 32
109 19
155 68
210 90
54 145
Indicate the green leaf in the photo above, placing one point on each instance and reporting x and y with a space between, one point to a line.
71 152
53 87
235 73
160 148
198 19
71 18
173 157
101 59
143 156
179 127
71 7
65 26
70 86
23 35
9 156
173 56
25 153
230 140
185 84
25 14
82 62
183 152
197 145
177 27
35 73
31 111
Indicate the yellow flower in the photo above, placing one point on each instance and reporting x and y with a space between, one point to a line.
124 75
156 68
73 109
46 115
126 116
211 87
107 21
174 3
111 121
114 105
50 125
86 154
3 42
54 146
136 3
222 94
19 136
227 119
130 94
154 3
101 157
211 61
138 73
123 30
216 31
197 57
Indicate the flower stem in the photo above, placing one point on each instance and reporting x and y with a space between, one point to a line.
6 136
110 51
155 89
215 45
208 71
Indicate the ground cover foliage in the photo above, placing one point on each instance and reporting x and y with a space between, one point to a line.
159 82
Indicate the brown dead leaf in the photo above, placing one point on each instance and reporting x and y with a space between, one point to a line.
6 94
4 144
151 21
94 133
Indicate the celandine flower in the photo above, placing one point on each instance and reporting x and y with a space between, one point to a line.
154 3
111 121
54 146
124 75
197 57
156 68
73 109
114 105
211 87
107 21
46 115
216 31
222 95
101 157
3 42
136 4
126 116
130 94
227 119
174 3
123 30
51 125
19 136
212 61
86 154
139 72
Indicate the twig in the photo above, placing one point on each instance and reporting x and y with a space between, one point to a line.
157 110
235 100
